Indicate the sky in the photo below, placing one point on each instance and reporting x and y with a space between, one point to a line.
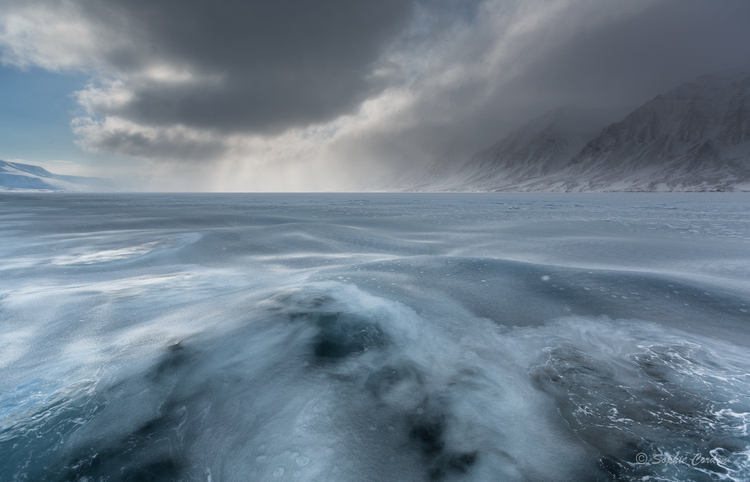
326 95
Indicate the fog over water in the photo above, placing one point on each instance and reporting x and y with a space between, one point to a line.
371 337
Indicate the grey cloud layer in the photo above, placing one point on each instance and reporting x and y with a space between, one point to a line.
390 82
588 53
254 65
640 53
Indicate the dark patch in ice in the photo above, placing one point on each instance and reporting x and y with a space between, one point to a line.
162 470
320 301
171 362
340 333
452 463
119 463
298 303
149 453
428 432
344 334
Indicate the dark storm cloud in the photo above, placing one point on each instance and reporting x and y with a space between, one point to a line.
591 54
129 139
258 65
633 57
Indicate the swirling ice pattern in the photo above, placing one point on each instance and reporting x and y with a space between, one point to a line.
220 338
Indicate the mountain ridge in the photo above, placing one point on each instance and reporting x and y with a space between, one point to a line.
16 176
696 137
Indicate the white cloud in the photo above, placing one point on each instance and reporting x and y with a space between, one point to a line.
54 36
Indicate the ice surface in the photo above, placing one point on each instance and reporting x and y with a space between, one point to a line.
374 337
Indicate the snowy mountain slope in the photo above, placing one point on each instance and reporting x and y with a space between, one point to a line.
536 149
16 176
541 147
693 138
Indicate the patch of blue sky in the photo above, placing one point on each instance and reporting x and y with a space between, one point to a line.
36 107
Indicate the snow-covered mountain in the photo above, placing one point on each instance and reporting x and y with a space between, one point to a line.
542 146
15 176
538 149
693 138
696 137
